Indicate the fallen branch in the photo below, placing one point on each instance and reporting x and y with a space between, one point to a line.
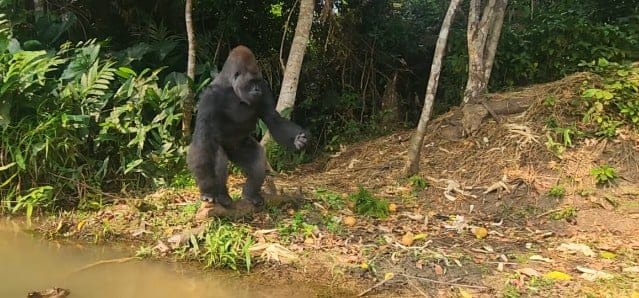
549 212
374 287
103 262
446 283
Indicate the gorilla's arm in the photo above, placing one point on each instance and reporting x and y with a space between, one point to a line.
284 131
207 108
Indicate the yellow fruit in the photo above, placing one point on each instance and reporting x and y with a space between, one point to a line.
480 232
408 239
558 275
349 221
392 207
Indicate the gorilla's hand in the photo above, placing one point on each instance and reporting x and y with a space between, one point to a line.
300 140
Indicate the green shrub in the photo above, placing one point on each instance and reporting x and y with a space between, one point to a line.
557 191
334 200
615 101
74 121
604 174
367 204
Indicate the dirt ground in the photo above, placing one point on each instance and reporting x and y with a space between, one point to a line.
491 223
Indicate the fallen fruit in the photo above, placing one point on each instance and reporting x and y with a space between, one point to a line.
408 239
349 221
480 232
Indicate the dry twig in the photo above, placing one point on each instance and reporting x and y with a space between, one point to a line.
103 262
445 283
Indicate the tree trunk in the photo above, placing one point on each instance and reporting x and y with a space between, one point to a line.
187 106
417 141
390 103
476 34
295 59
483 34
38 6
494 35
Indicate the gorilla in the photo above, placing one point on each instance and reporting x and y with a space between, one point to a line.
227 115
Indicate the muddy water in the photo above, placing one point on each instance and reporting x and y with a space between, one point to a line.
28 263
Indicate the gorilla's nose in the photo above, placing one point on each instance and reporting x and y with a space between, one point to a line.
255 93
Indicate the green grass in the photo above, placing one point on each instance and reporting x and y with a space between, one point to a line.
604 174
557 191
226 245
367 204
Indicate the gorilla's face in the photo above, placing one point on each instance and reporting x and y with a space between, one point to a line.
243 74
247 85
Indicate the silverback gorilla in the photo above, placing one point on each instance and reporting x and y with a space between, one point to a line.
227 115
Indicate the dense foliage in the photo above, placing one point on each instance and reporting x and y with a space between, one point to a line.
91 90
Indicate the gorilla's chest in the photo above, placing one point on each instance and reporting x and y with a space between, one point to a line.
239 118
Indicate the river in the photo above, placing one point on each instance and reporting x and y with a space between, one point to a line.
29 263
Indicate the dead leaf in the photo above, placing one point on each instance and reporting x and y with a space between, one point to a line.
464 294
529 272
575 248
389 275
593 275
81 224
540 258
161 247
439 270
273 252
392 207
633 269
607 255
420 236
417 217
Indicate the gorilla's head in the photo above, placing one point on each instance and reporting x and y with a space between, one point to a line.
242 73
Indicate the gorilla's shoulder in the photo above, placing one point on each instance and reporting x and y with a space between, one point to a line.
213 93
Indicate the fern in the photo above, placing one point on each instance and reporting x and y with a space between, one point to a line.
5 26
27 68
94 85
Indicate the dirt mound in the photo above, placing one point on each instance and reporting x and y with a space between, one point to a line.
517 149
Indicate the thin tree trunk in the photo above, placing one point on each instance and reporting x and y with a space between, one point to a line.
295 59
187 107
483 37
417 141
477 32
494 36
38 6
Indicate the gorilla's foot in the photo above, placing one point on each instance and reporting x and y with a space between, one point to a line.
238 209
255 198
222 199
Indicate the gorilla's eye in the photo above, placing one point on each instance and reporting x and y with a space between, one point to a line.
237 74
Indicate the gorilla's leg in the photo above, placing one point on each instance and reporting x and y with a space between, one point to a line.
208 163
250 157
